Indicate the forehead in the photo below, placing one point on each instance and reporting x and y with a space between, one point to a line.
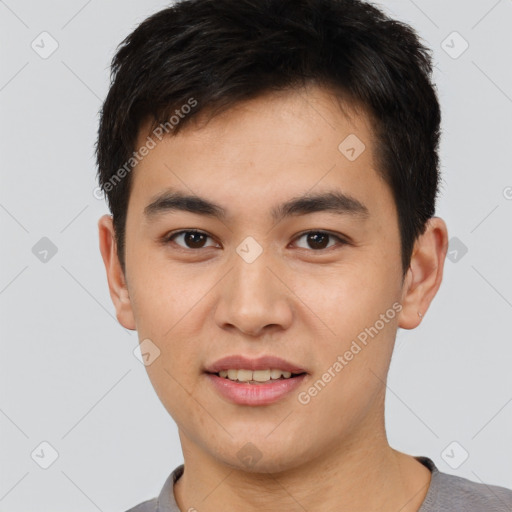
302 111
281 143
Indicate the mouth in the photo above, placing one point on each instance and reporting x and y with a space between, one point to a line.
261 381
244 365
256 377
251 392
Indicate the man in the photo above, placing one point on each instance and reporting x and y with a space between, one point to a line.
272 170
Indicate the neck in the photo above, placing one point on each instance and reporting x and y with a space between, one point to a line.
353 476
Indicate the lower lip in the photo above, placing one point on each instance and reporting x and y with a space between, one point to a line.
254 394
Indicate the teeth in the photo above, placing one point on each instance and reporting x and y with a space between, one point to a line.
231 374
257 375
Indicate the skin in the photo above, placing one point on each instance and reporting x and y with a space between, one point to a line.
295 301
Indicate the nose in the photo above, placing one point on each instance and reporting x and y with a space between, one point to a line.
253 299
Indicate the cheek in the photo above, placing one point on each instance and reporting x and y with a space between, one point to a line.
345 299
351 373
175 374
355 314
163 293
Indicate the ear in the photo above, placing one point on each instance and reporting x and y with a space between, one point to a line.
425 273
115 276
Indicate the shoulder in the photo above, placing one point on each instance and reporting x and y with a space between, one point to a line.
461 492
467 492
165 502
449 492
145 506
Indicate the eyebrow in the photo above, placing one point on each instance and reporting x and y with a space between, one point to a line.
332 201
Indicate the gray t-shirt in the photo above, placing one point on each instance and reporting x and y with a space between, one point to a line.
446 493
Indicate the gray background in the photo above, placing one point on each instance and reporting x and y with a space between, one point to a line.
68 373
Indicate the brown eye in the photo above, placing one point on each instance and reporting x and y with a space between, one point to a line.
190 238
318 240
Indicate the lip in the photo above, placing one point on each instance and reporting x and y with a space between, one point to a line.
242 393
240 362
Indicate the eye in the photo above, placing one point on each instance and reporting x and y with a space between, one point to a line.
318 240
192 238
195 239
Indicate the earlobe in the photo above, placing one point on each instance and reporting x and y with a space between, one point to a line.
425 273
115 276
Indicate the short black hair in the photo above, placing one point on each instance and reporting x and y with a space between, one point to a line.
211 54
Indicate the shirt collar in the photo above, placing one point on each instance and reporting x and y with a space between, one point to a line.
167 502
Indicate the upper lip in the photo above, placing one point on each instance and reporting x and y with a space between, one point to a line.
239 362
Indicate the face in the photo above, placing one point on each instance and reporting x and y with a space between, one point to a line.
307 286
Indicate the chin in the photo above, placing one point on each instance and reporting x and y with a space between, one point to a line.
262 457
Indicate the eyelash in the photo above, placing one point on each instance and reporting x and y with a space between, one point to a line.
170 238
